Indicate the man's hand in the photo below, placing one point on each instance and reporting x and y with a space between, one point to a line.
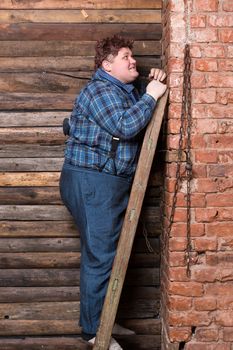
157 74
155 88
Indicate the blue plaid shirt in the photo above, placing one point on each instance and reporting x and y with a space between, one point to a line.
105 108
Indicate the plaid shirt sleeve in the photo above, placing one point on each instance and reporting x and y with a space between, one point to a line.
116 114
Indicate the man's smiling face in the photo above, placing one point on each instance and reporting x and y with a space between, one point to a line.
122 66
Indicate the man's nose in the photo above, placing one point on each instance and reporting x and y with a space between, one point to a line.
132 60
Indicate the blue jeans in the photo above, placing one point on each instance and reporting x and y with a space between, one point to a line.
97 202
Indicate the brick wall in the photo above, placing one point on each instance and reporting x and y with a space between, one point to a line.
197 310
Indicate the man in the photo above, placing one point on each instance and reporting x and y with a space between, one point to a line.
100 161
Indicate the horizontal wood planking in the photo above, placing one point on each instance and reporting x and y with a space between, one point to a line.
68 48
46 212
69 277
80 16
48 66
31 150
41 250
39 83
81 4
31 164
29 195
64 293
46 327
41 135
29 179
64 31
25 119
45 228
61 245
75 343
63 260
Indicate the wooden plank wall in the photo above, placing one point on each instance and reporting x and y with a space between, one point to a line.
40 247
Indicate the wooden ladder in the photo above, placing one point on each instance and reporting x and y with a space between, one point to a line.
129 227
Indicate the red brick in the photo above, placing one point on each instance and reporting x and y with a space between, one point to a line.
177 259
228 334
180 230
205 5
225 127
188 289
206 215
219 141
204 274
204 185
177 34
205 126
197 199
176 5
175 65
203 244
225 157
175 80
229 50
214 50
226 274
178 334
224 96
175 95
220 20
173 126
219 258
195 51
207 334
206 65
227 5
204 96
177 303
174 110
219 80
205 304
218 111
199 111
225 65
177 49
226 35
198 141
206 156
223 170
177 244
191 318
178 274
219 289
208 346
225 302
220 229
198 81
224 318
219 200
206 35
198 21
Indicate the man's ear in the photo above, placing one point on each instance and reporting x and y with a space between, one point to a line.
106 65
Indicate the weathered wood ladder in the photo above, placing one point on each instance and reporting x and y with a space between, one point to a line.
129 227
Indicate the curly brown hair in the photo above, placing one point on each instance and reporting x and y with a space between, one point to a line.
110 46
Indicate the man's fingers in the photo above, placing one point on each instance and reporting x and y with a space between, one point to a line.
157 74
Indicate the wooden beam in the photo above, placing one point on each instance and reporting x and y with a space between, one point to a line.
81 4
65 31
79 16
68 48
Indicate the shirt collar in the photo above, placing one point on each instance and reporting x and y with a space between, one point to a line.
102 74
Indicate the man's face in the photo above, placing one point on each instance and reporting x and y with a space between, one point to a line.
122 66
